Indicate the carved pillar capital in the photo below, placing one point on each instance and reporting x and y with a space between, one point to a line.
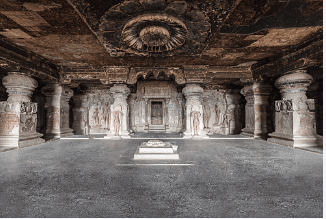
80 100
192 91
19 86
294 85
120 91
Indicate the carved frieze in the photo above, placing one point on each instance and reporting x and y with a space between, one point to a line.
283 105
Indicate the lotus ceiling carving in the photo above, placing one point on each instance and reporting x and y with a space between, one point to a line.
153 28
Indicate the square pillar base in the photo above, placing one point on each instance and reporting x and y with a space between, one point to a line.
295 141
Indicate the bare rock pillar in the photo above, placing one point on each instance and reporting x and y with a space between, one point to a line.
18 115
194 111
57 111
295 124
119 122
80 114
256 110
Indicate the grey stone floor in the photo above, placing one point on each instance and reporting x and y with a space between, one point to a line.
214 178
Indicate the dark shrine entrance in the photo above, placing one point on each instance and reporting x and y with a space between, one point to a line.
157 113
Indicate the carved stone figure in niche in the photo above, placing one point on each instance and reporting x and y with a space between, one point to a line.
217 114
116 120
106 115
207 113
96 118
195 115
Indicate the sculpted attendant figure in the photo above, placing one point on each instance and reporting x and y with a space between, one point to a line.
207 114
116 120
195 114
95 117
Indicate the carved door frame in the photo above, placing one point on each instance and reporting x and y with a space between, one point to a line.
149 115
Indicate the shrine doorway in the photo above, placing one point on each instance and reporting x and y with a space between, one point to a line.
157 113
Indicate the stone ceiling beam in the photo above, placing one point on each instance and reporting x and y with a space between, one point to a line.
301 59
14 57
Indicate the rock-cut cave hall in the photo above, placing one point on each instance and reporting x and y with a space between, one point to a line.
197 73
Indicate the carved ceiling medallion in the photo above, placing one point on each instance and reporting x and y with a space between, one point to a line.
153 28
154 33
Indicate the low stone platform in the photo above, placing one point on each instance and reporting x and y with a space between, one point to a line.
156 150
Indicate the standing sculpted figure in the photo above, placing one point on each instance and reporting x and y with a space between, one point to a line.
207 113
116 120
195 114
106 115
95 117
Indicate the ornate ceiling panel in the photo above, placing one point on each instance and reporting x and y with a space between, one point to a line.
154 28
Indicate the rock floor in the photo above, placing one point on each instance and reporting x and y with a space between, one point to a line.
221 177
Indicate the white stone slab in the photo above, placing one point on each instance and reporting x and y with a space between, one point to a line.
174 156
158 150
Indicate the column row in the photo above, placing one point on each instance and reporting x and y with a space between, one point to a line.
294 119
18 114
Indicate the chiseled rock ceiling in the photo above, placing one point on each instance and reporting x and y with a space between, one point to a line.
96 33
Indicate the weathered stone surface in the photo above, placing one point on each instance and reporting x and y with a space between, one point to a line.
119 117
9 123
257 113
57 110
294 114
194 112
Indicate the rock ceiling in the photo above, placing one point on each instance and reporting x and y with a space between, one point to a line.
91 35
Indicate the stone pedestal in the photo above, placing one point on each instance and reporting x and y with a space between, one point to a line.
18 119
9 123
156 150
295 124
80 114
194 111
119 122
256 123
57 111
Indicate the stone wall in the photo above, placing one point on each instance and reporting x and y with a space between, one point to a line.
160 91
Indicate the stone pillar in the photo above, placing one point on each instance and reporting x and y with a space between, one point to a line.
18 119
315 91
132 102
80 114
233 112
257 124
192 94
167 116
57 111
120 93
295 124
146 115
